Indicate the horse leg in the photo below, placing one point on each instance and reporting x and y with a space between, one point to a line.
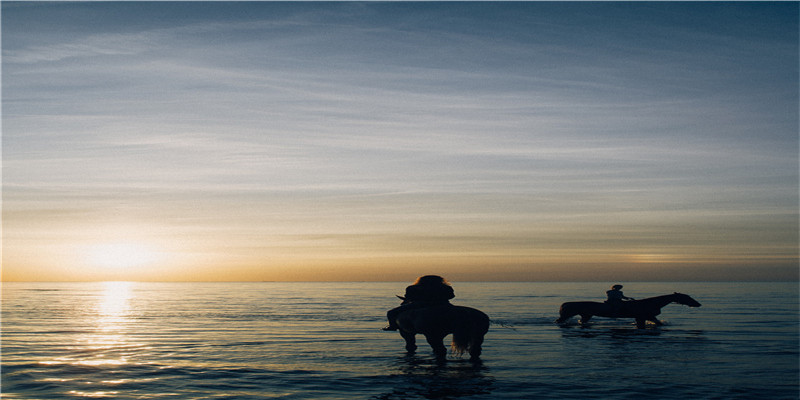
411 341
585 318
437 344
655 321
564 317
475 348
640 322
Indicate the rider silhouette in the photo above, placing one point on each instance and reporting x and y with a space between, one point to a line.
426 291
616 298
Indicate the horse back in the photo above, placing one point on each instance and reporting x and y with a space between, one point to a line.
443 319
475 317
579 304
574 307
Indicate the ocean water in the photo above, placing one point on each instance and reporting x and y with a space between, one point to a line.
122 340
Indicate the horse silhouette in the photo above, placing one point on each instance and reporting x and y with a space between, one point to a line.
642 310
467 325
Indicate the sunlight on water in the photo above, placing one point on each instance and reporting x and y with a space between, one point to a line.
92 394
112 311
114 305
109 321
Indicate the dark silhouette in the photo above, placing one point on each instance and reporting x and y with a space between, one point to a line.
426 291
642 310
615 298
426 310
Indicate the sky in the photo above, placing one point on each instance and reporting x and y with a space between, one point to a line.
371 141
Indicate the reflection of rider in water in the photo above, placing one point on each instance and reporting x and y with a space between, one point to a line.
428 290
616 298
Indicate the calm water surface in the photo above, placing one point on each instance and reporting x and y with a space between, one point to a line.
323 341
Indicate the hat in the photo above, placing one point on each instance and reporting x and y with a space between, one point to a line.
617 286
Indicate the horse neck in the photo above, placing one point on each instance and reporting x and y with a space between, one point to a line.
661 301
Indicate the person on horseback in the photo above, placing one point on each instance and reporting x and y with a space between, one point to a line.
616 298
426 291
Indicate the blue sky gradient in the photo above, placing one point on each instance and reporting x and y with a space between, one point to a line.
380 141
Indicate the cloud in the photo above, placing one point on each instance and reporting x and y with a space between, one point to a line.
92 46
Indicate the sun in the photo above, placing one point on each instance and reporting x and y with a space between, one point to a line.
121 255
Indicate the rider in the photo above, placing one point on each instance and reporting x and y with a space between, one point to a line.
426 291
616 298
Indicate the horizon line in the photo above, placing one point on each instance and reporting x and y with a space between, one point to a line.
402 281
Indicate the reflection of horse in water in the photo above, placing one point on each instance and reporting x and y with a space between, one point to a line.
467 325
643 310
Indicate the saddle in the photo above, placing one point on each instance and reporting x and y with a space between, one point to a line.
617 309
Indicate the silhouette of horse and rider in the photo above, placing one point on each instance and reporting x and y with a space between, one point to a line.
620 306
426 310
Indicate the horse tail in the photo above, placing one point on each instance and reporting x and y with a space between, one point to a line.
468 335
461 342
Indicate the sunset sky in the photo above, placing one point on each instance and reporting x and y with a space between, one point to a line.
381 141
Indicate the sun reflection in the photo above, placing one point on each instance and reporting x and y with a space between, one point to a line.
115 301
114 306
98 394
108 341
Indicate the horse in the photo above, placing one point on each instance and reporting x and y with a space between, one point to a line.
642 310
468 326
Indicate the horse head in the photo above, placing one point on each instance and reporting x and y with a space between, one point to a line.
684 299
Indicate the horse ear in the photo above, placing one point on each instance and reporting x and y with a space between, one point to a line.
401 297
